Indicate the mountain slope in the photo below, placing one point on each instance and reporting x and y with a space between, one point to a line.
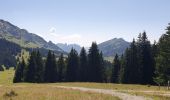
24 38
8 53
113 46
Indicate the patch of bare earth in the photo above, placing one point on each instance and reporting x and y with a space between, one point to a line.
123 96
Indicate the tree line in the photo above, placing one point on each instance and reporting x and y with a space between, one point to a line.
142 63
81 67
136 65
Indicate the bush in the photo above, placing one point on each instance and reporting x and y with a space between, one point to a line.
10 94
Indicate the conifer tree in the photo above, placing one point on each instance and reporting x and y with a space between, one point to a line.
146 60
94 64
133 61
122 68
154 54
61 67
19 72
163 58
116 69
102 68
39 68
125 67
72 66
50 74
30 70
83 65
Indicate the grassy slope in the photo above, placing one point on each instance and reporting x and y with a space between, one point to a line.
20 42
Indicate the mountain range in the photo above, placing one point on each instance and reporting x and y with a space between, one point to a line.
109 48
28 40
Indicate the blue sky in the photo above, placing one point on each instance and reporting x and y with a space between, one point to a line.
84 21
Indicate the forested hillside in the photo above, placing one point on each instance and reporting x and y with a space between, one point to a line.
8 53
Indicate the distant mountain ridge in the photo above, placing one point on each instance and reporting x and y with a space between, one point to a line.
67 47
111 47
23 38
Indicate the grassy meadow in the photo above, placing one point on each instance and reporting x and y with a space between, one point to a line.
47 92
30 91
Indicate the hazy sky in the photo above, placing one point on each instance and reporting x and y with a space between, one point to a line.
84 21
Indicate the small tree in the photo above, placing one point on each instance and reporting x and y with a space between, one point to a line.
19 72
159 80
1 68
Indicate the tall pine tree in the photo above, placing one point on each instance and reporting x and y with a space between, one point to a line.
72 66
116 69
39 76
30 70
50 74
61 67
83 65
95 68
133 63
163 58
146 60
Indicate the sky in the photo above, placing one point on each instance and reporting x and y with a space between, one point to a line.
85 21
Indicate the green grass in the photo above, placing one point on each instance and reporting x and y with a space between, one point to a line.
20 42
6 77
50 91
29 91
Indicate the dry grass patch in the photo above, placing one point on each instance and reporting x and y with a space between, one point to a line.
47 92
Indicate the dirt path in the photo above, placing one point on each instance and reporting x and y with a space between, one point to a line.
123 96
